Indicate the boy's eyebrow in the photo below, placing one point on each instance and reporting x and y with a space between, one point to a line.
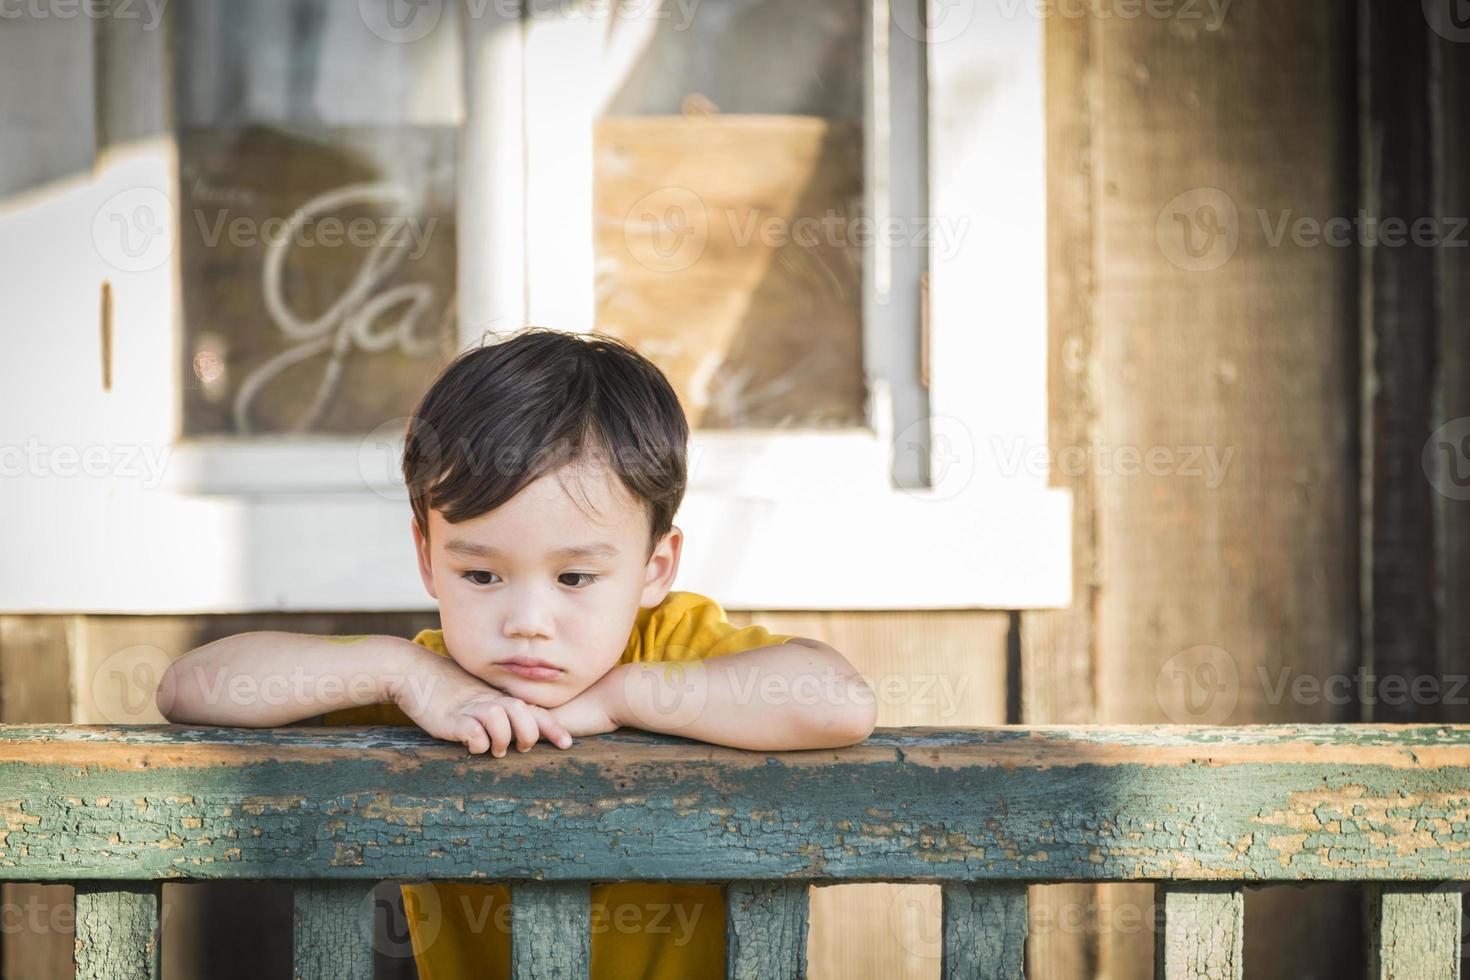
472 549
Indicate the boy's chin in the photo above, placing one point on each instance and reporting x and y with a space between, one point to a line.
541 694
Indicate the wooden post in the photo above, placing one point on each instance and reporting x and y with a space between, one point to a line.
765 934
331 934
1204 933
984 932
117 931
551 930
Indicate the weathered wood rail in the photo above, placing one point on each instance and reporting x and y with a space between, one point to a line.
981 812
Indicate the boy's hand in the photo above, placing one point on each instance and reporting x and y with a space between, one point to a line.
450 703
594 711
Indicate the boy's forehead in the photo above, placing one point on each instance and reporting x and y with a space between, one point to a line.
560 511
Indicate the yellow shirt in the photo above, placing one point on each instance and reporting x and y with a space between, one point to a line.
640 930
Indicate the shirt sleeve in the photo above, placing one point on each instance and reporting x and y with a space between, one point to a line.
386 713
688 626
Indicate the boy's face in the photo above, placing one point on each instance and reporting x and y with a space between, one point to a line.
504 592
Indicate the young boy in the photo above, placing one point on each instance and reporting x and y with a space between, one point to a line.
544 472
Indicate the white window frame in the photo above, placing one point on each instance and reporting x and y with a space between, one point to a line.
772 520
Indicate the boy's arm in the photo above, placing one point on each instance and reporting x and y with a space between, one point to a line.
801 694
269 679
266 679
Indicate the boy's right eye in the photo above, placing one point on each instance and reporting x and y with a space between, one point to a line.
476 577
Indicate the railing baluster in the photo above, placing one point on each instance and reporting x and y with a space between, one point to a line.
332 935
765 929
550 930
1204 932
984 931
117 931
1414 932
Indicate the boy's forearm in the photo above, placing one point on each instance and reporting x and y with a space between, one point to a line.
267 678
772 698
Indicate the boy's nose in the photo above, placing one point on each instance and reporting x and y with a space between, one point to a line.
528 620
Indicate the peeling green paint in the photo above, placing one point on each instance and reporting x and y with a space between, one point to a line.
1284 803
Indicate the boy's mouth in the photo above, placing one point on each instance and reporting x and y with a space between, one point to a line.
531 668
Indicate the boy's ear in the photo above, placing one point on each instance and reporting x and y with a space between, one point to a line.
663 565
421 549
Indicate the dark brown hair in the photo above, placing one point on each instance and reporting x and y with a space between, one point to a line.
504 414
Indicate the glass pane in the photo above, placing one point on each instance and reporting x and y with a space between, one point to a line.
728 183
317 168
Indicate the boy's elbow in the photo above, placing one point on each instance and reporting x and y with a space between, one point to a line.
166 698
865 713
854 719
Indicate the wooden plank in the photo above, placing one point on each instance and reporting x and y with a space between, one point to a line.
332 931
1204 934
1399 344
551 930
1059 647
1414 933
1268 803
765 929
1228 566
984 931
940 667
35 671
117 928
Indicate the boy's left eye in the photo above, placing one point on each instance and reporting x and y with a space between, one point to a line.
586 575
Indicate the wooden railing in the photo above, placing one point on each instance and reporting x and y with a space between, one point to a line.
982 812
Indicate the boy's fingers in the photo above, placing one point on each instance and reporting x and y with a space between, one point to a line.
525 726
554 730
495 722
474 736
